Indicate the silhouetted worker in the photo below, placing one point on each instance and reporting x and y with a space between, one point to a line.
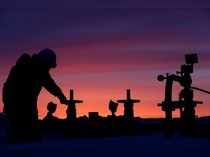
21 90
51 107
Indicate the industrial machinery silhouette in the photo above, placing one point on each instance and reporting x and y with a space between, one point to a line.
186 103
128 105
71 110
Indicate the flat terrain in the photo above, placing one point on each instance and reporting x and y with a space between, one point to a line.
151 145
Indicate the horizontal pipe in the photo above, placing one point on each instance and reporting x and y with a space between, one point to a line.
202 90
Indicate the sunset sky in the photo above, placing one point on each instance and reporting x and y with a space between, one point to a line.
104 49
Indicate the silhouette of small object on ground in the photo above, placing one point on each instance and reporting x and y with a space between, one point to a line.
93 116
51 123
128 105
113 107
51 107
21 90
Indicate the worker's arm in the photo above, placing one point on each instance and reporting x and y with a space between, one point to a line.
53 88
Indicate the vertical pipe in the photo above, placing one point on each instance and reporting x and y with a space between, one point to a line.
128 94
71 94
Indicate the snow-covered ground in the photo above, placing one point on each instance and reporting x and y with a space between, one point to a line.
153 145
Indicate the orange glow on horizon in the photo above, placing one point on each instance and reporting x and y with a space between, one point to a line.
96 83
97 101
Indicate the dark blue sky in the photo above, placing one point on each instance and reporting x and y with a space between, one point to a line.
108 4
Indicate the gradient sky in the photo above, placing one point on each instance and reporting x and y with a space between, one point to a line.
105 48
